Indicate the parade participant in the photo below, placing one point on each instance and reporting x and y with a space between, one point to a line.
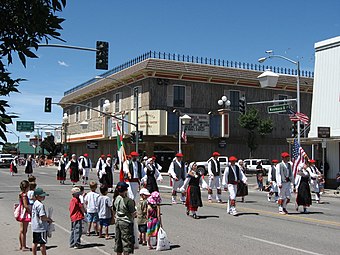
13 167
151 175
302 180
133 172
106 175
214 172
85 165
284 177
145 158
61 173
125 214
272 181
242 189
315 174
259 175
29 166
177 174
193 192
232 176
100 164
73 167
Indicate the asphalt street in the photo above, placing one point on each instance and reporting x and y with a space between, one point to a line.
258 229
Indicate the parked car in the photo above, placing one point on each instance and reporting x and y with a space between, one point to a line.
203 165
252 163
5 160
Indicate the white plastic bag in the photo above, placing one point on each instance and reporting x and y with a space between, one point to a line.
163 241
51 227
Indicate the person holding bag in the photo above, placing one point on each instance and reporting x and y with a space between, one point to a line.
24 214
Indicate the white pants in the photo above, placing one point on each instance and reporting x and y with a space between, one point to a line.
274 187
86 172
176 185
133 190
315 185
232 188
215 183
284 193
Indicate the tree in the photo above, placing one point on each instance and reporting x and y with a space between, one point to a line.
252 122
23 25
49 145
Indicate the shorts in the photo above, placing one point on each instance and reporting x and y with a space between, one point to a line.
92 217
105 222
40 237
142 228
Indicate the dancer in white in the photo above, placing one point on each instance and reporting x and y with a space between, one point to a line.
214 172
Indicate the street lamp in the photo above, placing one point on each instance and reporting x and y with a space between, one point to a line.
65 122
182 120
225 103
18 149
297 63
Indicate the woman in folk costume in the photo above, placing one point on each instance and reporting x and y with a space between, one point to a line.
152 175
242 190
232 176
315 175
272 181
61 173
302 180
193 193
100 164
29 166
106 174
73 167
85 165
13 167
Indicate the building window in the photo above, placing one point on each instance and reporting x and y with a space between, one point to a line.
117 102
179 96
234 100
77 114
88 111
100 106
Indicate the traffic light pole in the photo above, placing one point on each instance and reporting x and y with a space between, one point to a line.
136 94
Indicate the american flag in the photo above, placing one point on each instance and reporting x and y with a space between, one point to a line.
296 116
184 136
298 156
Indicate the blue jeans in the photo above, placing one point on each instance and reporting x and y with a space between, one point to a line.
76 232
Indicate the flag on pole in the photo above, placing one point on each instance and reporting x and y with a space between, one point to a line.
296 116
298 156
120 152
184 136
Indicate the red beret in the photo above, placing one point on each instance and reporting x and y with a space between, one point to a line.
179 155
65 155
232 158
134 154
128 156
312 161
285 154
102 156
275 161
109 155
216 154
86 155
153 157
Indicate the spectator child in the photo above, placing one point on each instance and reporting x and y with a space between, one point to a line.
153 216
39 222
91 203
142 219
30 193
77 215
104 212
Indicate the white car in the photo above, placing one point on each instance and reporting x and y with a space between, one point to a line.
252 163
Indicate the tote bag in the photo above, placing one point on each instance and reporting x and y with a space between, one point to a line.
163 241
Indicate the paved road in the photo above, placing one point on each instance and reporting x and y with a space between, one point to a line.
258 229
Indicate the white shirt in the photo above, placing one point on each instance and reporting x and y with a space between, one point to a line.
91 202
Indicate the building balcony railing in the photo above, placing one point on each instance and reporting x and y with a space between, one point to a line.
196 60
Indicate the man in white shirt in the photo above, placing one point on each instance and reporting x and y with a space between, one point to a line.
85 165
214 172
134 173
177 172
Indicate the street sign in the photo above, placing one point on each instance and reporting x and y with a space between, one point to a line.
278 108
92 145
324 132
25 126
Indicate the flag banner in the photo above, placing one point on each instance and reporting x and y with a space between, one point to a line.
184 136
296 116
298 156
120 152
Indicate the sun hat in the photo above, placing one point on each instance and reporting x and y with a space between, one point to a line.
155 198
40 192
144 191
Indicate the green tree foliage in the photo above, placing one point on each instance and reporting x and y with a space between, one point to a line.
23 25
9 148
253 123
49 145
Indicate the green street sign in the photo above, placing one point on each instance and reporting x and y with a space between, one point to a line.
25 126
278 108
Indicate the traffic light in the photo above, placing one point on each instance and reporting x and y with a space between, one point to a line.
242 105
102 55
133 137
140 136
294 129
48 104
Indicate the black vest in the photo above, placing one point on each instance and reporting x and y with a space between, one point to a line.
232 179
216 172
74 165
179 170
273 174
139 170
88 163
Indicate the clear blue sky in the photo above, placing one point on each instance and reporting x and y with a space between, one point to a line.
231 30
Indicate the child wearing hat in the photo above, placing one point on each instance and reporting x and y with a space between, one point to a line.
77 215
142 219
153 216
39 222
